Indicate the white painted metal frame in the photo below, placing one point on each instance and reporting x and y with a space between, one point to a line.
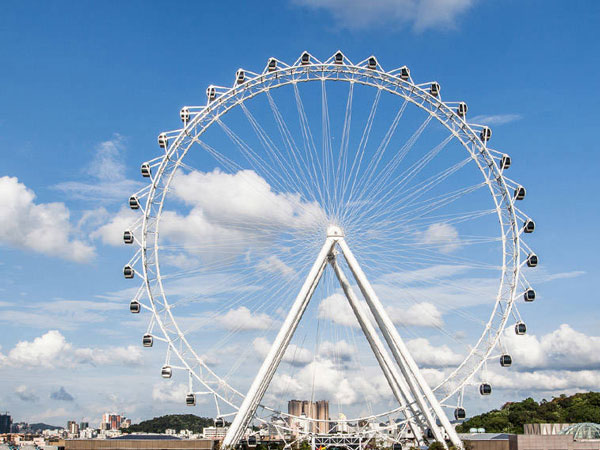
200 118
428 404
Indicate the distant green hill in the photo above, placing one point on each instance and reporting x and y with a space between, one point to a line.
176 422
513 415
42 426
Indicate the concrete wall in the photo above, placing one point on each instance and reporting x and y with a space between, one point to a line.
554 442
141 444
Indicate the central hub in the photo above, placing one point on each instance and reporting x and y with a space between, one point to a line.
334 231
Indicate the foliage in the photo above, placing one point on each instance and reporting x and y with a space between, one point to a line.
176 422
512 416
435 445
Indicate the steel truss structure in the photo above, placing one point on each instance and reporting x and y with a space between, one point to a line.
420 404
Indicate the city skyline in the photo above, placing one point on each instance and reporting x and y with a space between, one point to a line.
89 96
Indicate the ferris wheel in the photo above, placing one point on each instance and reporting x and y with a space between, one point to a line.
332 218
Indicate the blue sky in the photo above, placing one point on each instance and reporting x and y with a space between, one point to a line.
89 86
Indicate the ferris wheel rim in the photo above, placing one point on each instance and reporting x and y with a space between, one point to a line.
261 80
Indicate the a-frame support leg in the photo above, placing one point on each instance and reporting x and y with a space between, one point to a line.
407 365
393 377
267 370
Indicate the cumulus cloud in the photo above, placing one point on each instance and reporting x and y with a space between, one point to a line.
294 355
420 14
106 179
170 392
273 264
337 351
244 198
40 227
23 393
337 309
322 378
564 348
52 350
422 314
442 236
111 232
62 395
244 319
428 355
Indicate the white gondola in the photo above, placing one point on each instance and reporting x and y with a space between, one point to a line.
404 73
211 93
529 226
505 360
532 260
435 89
145 169
163 141
505 162
372 63
128 237
128 272
219 422
133 202
462 109
184 114
460 413
190 400
166 371
529 295
147 340
338 58
240 76
485 134
252 441
135 307
520 328
520 193
305 59
272 65
485 389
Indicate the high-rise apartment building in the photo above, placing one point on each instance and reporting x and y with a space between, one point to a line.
72 427
113 421
306 409
5 423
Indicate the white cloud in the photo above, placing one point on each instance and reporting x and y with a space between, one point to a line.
337 351
337 309
112 232
442 236
564 348
168 391
422 314
25 394
322 378
421 14
62 314
106 173
244 198
244 319
428 355
294 355
52 350
561 380
273 264
495 119
41 227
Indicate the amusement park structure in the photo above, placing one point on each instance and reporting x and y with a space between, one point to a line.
347 195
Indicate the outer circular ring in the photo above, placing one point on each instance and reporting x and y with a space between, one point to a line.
227 98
